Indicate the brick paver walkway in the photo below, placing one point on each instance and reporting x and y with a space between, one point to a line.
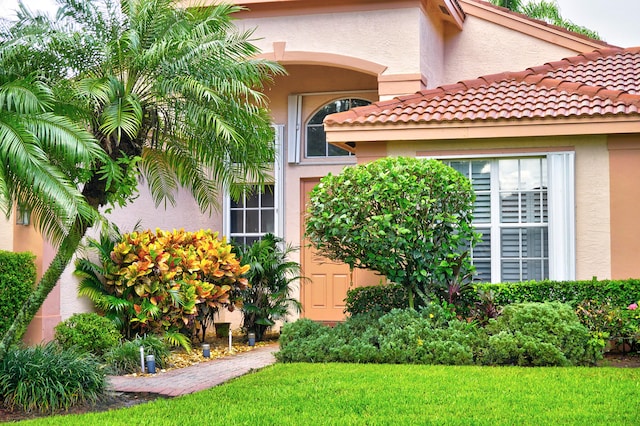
195 378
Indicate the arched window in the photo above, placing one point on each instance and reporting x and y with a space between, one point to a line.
316 140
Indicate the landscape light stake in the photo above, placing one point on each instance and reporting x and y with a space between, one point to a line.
151 364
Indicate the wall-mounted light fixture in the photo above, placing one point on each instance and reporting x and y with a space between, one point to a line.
23 216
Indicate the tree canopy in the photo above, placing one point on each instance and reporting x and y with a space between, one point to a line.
547 11
168 94
406 218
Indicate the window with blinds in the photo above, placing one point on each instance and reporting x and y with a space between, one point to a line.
511 213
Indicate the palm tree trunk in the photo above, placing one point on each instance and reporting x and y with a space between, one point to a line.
48 281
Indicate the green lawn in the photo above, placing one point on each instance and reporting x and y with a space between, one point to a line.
344 394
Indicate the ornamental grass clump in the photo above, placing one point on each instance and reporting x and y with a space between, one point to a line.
125 357
48 378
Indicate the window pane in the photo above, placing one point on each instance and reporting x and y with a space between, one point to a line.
237 222
251 240
535 270
267 222
316 142
508 172
510 271
481 175
330 108
461 166
509 207
530 174
358 102
237 204
334 151
267 197
483 247
536 242
253 222
252 199
510 238
482 208
483 270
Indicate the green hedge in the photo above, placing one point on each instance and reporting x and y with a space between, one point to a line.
617 292
17 278
529 334
377 298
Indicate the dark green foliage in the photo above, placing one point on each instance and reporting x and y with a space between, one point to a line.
48 378
428 338
305 341
538 334
401 336
619 293
88 332
527 334
408 219
17 277
125 357
271 279
377 298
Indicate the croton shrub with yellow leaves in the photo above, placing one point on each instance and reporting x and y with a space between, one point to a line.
164 276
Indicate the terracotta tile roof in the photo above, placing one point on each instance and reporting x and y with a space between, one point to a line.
600 83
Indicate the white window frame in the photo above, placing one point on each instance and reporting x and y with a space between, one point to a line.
278 190
295 128
561 211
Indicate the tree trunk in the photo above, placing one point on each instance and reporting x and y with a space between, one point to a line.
48 281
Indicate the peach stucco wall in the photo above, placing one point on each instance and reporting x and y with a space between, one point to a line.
6 233
484 47
624 151
593 221
432 50
353 34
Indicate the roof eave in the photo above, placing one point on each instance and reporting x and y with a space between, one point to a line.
482 130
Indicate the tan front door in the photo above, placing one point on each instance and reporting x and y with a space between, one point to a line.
324 293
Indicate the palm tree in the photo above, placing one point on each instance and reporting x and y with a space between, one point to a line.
169 94
272 278
547 11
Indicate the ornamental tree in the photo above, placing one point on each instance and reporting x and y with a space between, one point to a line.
406 218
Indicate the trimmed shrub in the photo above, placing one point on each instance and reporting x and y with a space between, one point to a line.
48 378
538 334
17 278
401 336
617 293
408 219
379 299
305 341
425 338
88 332
125 357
